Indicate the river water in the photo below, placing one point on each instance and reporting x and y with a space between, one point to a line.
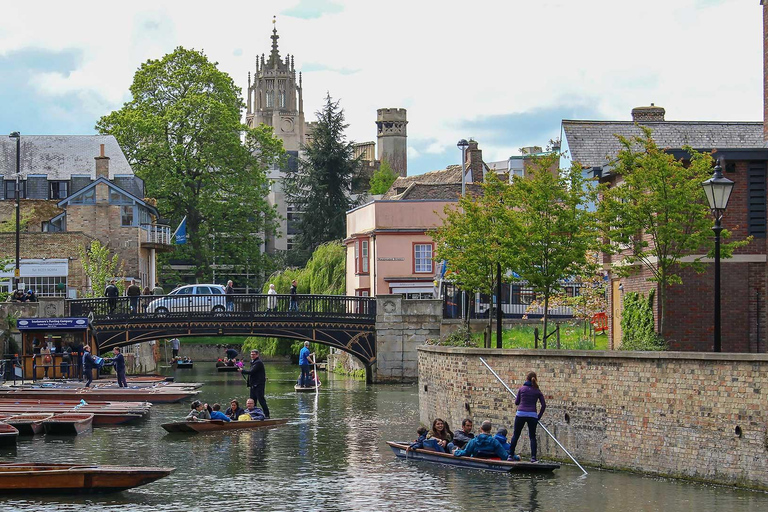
332 456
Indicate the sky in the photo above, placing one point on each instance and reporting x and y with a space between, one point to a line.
504 72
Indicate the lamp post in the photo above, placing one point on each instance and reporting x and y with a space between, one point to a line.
17 273
718 190
463 145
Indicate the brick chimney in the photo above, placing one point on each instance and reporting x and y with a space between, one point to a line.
102 164
765 69
475 162
648 114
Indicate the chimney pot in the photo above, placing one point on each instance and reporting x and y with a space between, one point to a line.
101 150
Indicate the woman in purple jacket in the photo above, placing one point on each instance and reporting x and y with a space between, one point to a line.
527 396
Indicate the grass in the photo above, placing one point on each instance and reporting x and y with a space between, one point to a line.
571 338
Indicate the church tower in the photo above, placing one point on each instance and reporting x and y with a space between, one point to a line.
274 97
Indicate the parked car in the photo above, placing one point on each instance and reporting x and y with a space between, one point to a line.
199 298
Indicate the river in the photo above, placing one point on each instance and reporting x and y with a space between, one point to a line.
332 456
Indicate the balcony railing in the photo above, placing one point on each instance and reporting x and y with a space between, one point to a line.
157 234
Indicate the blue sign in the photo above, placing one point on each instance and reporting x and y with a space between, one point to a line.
51 324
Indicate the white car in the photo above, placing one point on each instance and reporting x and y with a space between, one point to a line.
197 298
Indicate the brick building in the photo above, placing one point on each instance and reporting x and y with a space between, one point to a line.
689 307
73 190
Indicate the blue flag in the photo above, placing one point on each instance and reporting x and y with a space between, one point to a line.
181 232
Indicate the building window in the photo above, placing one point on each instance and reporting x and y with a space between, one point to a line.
116 197
270 99
58 189
357 256
756 193
10 189
86 197
282 98
126 215
57 224
46 286
363 292
422 258
364 256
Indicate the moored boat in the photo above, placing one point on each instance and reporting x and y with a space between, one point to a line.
225 368
196 427
28 424
155 395
300 389
74 478
399 448
68 424
184 364
8 435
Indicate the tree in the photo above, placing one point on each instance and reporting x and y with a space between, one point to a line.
100 266
321 187
471 238
382 179
182 133
658 214
551 228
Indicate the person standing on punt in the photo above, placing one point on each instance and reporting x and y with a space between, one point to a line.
305 359
257 381
88 365
527 396
174 347
119 362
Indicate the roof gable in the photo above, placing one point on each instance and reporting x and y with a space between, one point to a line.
112 186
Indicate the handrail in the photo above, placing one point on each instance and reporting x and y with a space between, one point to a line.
158 233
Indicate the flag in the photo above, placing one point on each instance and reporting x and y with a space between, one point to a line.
181 232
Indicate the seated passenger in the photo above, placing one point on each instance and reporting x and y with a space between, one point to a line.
313 378
501 437
441 433
419 443
217 414
254 412
234 410
198 411
483 446
463 436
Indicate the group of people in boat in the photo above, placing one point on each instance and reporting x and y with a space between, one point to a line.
465 443
202 411
230 358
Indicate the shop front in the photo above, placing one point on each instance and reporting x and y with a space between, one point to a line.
52 347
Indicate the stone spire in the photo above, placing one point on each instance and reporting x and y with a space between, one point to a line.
274 57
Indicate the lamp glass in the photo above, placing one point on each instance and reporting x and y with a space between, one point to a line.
718 191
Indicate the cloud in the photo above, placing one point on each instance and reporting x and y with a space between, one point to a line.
309 67
312 9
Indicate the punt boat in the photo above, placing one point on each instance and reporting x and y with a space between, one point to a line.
8 435
225 367
399 448
184 364
29 424
74 478
196 427
68 424
299 389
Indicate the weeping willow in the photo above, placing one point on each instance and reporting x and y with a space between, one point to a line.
324 274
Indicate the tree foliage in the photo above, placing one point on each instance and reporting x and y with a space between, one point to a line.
658 214
182 134
637 323
321 186
551 228
382 179
100 266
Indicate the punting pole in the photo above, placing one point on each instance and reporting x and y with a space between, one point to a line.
317 377
542 426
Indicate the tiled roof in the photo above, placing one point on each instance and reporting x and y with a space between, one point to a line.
451 174
61 156
449 191
594 143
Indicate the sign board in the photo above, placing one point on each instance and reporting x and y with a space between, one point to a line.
390 259
51 324
39 268
16 272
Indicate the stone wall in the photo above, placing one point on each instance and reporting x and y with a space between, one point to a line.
700 416
402 325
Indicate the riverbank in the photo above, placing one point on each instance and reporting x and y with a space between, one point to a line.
680 414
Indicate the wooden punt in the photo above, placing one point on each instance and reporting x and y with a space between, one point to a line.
153 395
196 427
399 448
181 365
74 478
68 424
226 368
28 424
299 389
8 435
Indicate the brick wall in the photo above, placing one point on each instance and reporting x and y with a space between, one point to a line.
673 414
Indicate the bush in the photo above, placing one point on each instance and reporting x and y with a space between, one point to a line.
637 324
461 337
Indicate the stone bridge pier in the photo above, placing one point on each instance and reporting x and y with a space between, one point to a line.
402 325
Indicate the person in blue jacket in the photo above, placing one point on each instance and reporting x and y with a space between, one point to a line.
501 437
305 359
88 365
217 414
418 444
483 445
119 362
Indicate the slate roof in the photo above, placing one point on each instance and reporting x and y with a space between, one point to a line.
594 143
449 191
61 156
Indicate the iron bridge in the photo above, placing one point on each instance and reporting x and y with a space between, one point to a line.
346 323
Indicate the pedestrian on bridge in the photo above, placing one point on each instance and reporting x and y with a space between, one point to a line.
111 293
230 293
271 299
293 304
134 292
158 290
257 381
119 362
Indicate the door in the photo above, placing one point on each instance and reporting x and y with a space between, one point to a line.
616 306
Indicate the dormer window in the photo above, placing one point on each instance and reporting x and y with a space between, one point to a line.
10 189
58 189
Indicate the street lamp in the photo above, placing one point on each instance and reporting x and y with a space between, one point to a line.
17 273
463 145
718 190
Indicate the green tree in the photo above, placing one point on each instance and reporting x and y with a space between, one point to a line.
321 187
382 179
100 266
658 214
551 229
472 238
182 134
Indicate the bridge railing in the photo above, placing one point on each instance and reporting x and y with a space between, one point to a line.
232 306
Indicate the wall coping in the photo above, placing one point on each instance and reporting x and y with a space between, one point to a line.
597 354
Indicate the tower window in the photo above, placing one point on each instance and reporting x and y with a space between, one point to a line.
282 99
270 99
